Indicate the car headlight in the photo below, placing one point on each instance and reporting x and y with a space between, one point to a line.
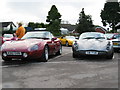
108 46
4 54
33 48
2 47
75 45
25 55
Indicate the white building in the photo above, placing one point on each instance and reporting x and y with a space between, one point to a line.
64 31
118 25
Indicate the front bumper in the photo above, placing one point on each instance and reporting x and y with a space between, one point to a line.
70 43
30 55
96 53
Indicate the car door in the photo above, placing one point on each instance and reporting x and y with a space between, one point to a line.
56 43
63 40
51 43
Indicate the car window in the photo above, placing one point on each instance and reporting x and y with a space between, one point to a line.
63 37
8 35
109 35
70 37
92 36
50 36
37 35
116 36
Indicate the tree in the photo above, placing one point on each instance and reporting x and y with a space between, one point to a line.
31 24
110 14
85 23
54 21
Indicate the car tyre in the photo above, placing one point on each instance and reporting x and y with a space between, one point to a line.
60 50
110 56
45 54
7 59
116 50
67 44
74 55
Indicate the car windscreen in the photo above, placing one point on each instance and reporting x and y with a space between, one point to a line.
92 36
70 37
109 35
116 36
36 35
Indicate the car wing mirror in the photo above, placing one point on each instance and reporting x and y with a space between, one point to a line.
61 37
108 38
55 38
114 38
19 39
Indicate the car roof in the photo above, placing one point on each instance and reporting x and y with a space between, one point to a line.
94 32
8 34
68 36
38 31
112 33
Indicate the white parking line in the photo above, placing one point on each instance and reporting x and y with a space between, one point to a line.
59 56
10 66
6 66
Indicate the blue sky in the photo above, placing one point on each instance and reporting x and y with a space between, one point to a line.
37 10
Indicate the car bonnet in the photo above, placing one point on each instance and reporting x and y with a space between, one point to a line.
92 44
21 44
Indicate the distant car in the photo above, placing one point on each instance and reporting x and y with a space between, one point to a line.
42 29
93 43
115 38
67 40
8 37
33 45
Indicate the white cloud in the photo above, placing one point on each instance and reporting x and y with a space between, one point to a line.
37 10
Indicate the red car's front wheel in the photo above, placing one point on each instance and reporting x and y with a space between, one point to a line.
45 55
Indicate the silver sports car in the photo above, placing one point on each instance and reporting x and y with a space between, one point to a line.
115 38
93 43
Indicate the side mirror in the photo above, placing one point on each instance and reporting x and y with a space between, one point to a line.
61 37
19 39
76 37
108 38
114 38
55 38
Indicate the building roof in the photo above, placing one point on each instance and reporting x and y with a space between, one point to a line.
68 26
5 24
117 26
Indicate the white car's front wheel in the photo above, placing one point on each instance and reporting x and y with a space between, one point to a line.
110 56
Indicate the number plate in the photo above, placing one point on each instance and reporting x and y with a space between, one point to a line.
115 43
14 53
91 53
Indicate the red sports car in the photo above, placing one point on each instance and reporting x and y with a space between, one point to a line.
33 45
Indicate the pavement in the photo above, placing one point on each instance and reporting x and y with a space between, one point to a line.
62 72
